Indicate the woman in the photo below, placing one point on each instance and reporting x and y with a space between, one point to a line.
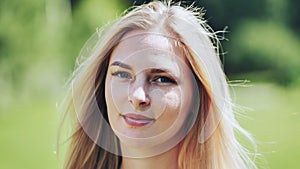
152 94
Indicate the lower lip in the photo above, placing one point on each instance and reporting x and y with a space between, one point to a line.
136 122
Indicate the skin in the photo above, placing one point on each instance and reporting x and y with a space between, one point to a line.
146 104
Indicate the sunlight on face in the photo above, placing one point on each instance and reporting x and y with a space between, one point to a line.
148 89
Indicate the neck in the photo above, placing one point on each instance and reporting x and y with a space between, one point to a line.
167 160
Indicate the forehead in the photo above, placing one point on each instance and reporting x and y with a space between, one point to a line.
136 41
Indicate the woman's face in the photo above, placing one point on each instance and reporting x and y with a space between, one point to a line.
148 88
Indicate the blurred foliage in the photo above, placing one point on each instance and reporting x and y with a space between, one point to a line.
263 37
53 31
40 40
268 47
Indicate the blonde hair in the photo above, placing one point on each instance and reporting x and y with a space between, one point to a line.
211 142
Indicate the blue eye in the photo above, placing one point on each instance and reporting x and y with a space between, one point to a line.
123 75
164 79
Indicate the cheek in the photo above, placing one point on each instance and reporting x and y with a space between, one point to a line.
108 96
111 97
115 93
178 101
173 99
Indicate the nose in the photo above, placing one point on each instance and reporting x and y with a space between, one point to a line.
138 96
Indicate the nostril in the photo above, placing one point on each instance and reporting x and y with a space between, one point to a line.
130 101
144 103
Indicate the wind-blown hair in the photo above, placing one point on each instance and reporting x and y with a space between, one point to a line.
211 142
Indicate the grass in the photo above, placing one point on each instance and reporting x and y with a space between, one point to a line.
273 119
28 128
27 135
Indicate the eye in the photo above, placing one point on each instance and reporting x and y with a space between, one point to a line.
121 74
164 80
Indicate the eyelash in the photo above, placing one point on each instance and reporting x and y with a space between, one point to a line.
166 80
157 79
121 74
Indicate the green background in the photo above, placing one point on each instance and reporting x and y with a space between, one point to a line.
40 40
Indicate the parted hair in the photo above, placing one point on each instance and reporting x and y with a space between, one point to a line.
211 143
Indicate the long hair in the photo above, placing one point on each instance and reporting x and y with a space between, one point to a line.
211 143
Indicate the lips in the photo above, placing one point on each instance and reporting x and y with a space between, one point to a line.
137 120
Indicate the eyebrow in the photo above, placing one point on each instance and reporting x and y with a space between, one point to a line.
123 65
167 71
159 71
152 70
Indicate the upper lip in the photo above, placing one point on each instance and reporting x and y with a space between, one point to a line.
137 116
